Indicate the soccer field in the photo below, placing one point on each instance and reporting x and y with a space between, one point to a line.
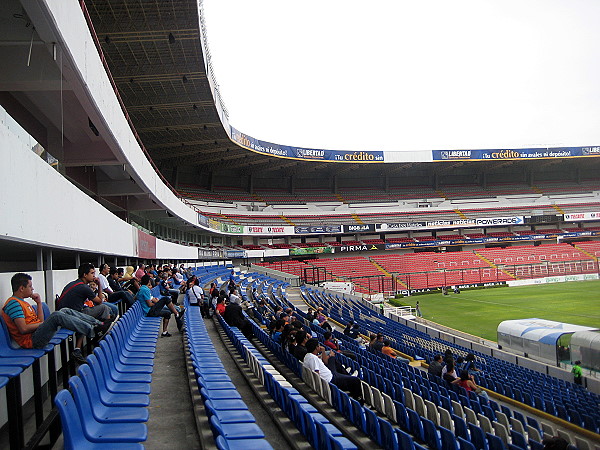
479 312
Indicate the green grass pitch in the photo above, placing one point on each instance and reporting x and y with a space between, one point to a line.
479 312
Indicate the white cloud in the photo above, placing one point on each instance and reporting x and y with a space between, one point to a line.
403 75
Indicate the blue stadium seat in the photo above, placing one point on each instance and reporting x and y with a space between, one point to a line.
102 413
74 438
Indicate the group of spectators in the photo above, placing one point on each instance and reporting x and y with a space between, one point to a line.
87 305
457 372
296 338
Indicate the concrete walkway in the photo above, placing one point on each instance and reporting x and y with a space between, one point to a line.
171 422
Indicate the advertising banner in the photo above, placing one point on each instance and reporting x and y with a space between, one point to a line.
235 254
457 223
521 153
146 245
268 230
320 229
202 220
360 248
582 216
230 228
306 154
487 240
359 228
310 251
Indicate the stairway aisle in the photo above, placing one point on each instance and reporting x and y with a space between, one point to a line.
171 422
295 298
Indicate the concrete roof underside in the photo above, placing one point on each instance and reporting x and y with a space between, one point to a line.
155 55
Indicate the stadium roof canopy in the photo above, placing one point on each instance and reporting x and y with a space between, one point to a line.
154 51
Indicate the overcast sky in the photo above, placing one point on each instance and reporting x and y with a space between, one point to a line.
409 75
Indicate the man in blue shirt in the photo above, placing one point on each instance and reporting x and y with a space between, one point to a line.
154 307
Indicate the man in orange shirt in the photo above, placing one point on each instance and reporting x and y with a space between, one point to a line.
28 327
387 350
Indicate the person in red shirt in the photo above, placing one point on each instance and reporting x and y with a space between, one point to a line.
330 342
220 308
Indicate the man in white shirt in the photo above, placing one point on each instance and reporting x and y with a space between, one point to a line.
315 363
323 363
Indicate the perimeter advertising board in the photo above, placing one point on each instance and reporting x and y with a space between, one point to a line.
268 230
317 229
310 250
458 223
582 216
514 154
301 153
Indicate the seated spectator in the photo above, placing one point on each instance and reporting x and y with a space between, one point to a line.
299 350
555 443
153 307
234 316
114 309
140 272
234 297
310 315
466 381
378 345
220 307
329 341
213 291
166 287
75 295
177 276
354 332
450 374
129 281
435 366
470 364
116 292
348 328
372 340
195 295
387 350
448 356
107 279
277 330
30 329
322 362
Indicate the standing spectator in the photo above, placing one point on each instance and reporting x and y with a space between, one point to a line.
435 366
418 310
153 307
577 373
196 295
